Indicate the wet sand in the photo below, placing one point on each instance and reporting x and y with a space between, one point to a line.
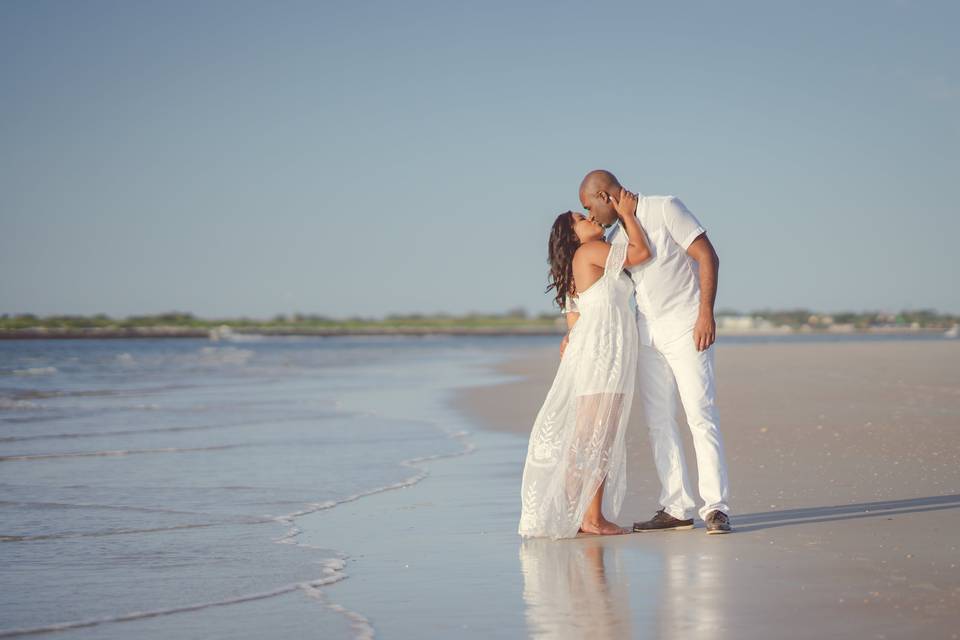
844 462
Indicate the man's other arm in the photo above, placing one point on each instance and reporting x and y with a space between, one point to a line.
705 330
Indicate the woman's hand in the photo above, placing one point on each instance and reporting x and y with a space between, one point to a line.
638 250
626 204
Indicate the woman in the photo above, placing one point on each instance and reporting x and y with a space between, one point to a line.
576 447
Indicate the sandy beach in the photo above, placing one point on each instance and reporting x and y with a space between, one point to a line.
844 461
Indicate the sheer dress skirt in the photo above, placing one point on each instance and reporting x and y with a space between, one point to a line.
578 437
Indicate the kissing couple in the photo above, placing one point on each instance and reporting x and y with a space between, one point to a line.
639 310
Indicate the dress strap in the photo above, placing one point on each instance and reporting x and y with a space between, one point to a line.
615 259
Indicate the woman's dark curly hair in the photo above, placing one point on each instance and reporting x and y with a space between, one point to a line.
560 249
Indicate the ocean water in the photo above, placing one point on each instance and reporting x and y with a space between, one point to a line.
153 487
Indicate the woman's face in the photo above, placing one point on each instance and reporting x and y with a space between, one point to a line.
585 228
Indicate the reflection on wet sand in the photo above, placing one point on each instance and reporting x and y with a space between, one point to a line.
693 597
575 589
614 587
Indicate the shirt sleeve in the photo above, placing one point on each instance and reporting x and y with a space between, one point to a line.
569 306
682 225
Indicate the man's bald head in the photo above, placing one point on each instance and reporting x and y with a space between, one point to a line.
599 180
597 191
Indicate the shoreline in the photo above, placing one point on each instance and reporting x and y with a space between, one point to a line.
844 460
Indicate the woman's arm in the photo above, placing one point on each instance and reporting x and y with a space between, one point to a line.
626 207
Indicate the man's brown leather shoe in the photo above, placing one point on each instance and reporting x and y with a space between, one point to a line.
663 521
717 522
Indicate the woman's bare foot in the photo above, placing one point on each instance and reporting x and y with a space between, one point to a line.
601 527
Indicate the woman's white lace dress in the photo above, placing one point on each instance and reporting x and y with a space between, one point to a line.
578 435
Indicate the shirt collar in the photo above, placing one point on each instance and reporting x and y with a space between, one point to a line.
616 227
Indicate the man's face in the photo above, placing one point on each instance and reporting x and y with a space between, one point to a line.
599 206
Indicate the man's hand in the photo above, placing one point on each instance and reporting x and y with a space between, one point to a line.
563 344
705 331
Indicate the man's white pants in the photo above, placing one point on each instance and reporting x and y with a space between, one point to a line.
664 370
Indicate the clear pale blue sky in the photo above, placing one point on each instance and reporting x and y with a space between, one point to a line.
231 158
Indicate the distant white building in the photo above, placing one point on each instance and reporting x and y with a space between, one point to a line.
744 323
223 332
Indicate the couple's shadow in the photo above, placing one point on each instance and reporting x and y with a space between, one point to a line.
886 508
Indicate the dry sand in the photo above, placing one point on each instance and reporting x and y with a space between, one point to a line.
844 462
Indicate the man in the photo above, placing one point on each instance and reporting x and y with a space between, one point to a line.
675 293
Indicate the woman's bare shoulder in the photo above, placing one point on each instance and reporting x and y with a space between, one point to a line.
594 252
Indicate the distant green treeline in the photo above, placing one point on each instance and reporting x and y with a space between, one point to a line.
794 318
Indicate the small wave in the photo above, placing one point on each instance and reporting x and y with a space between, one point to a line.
115 507
221 521
203 356
334 568
234 520
10 403
202 427
412 463
361 625
243 337
39 394
117 452
224 355
35 371
332 572
128 531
